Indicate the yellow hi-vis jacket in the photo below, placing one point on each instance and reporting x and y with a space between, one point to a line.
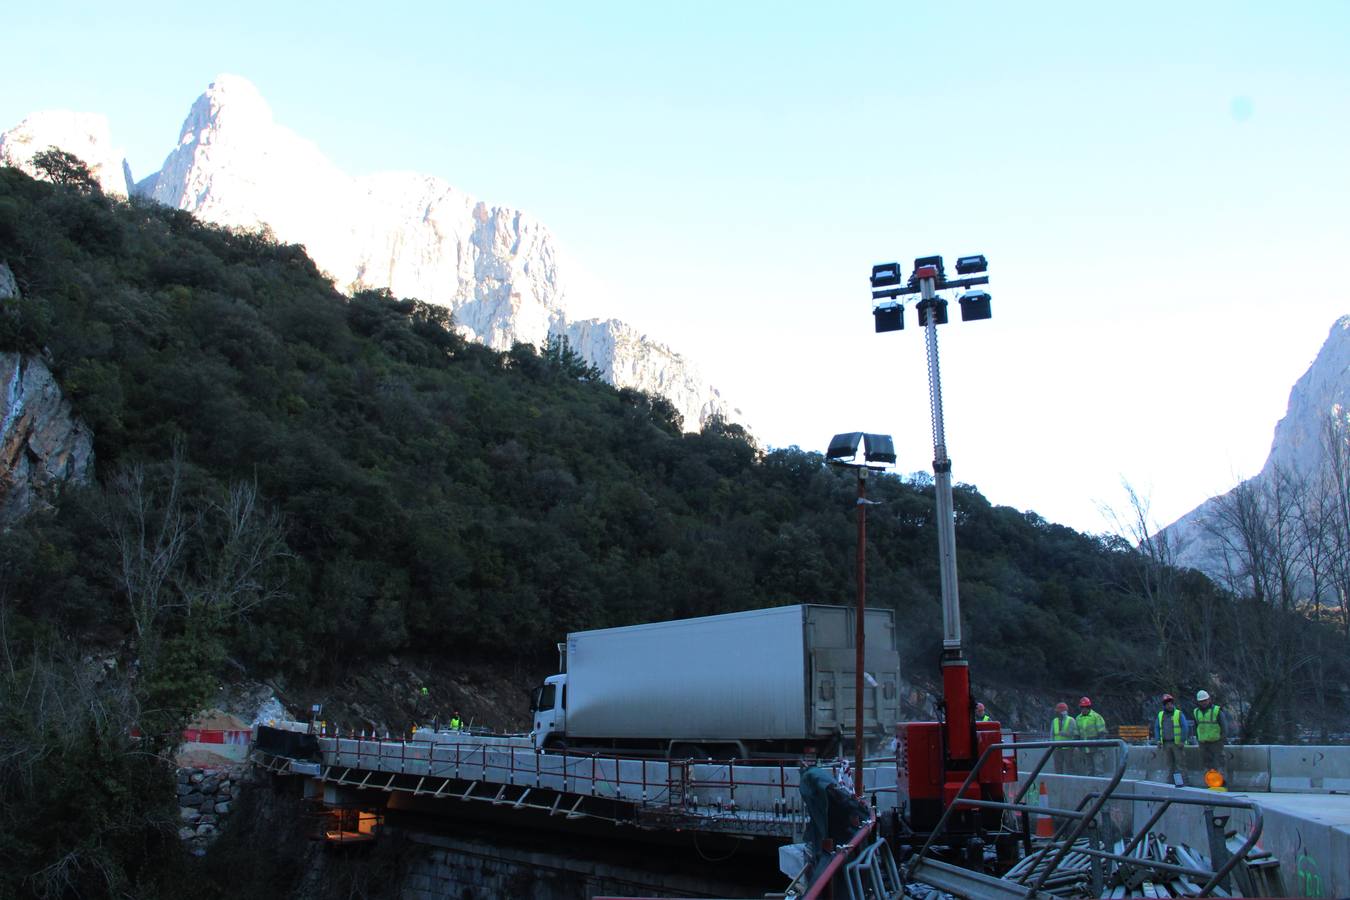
1091 725
1207 727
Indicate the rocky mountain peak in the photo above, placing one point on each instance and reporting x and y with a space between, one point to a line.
86 135
499 270
1324 390
1299 448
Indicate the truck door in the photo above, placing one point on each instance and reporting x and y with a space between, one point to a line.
832 683
549 706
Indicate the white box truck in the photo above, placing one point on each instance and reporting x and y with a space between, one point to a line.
765 683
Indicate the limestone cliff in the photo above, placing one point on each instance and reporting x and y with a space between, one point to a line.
43 446
1298 449
85 135
498 269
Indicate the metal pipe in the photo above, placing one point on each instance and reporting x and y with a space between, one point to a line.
860 636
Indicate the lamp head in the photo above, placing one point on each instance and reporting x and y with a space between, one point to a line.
885 275
972 265
889 316
844 447
879 448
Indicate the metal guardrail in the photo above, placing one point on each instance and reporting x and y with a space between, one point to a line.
1217 874
1031 881
1078 818
655 778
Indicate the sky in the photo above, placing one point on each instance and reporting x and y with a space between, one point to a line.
1160 190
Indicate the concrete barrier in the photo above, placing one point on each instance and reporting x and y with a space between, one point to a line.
1310 768
1246 767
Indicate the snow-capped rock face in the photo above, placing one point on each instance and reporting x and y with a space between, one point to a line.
1298 449
86 135
498 269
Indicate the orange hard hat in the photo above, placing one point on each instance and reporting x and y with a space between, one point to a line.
1061 707
979 706
1086 701
1168 698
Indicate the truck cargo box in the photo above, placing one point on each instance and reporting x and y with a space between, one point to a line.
779 674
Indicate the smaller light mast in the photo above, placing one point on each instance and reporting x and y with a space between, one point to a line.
878 451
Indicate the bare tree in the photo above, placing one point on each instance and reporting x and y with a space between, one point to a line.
178 558
1257 528
1336 481
150 529
233 577
1154 579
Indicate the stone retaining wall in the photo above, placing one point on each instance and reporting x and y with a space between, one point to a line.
206 797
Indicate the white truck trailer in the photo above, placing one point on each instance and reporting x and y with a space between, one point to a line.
765 683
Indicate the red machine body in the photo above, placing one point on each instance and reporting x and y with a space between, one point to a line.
932 779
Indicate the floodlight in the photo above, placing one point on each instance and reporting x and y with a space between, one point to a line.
972 265
889 317
937 306
885 275
935 261
975 306
844 447
879 448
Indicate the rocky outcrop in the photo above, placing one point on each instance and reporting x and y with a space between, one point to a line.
628 358
86 135
498 269
1298 449
42 445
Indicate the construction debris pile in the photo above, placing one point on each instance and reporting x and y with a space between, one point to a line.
1155 874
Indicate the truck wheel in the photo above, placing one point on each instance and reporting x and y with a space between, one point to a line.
555 743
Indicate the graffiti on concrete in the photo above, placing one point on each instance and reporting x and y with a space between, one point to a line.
1305 871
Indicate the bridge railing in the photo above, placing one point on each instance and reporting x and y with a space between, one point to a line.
766 785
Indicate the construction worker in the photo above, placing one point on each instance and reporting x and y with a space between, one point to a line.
1091 726
980 714
455 722
1170 730
1063 727
833 813
1211 726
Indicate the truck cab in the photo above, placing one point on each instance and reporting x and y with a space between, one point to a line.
549 709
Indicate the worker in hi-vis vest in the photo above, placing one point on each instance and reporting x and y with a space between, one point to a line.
1211 727
1063 727
1091 726
980 714
1170 729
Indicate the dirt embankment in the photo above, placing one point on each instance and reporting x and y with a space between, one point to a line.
386 694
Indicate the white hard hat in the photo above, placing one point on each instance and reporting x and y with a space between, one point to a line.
1202 695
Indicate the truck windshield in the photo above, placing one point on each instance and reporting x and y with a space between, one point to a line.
544 696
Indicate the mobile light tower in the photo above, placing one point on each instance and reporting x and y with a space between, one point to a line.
941 754
878 452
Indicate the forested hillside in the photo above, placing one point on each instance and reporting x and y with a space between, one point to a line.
297 482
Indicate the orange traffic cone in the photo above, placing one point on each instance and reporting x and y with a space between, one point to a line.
1045 827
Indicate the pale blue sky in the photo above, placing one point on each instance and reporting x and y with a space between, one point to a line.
1148 182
